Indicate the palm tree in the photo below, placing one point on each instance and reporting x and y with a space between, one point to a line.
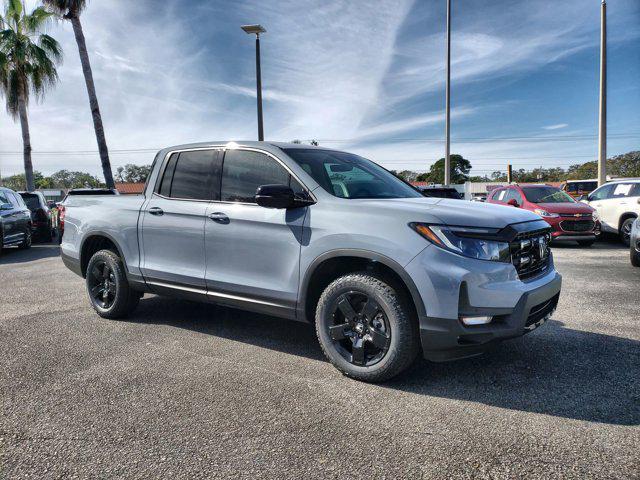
28 61
71 10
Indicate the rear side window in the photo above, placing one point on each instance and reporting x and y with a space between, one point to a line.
244 171
3 197
32 201
192 175
622 190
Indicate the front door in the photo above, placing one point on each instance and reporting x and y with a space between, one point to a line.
172 240
10 230
253 253
602 200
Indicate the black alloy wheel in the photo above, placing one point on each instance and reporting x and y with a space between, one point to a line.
360 330
26 243
102 284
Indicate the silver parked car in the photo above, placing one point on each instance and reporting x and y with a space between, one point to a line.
319 236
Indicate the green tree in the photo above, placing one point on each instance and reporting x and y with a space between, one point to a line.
19 182
460 168
71 10
133 173
28 61
69 179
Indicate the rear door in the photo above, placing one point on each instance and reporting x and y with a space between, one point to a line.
172 232
253 253
10 230
22 215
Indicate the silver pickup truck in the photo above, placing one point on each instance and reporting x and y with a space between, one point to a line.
319 236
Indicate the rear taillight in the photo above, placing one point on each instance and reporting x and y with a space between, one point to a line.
61 212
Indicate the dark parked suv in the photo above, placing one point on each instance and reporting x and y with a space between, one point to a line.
15 220
41 220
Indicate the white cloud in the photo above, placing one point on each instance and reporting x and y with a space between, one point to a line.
557 126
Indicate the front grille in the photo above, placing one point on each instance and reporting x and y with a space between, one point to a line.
530 253
541 310
577 225
575 215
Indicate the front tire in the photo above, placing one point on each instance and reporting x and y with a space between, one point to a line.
625 231
109 291
635 257
26 243
366 328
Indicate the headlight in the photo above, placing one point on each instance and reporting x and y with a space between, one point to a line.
595 216
470 242
544 213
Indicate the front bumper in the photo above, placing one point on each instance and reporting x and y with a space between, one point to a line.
452 286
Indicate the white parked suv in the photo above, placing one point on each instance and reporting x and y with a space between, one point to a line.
618 205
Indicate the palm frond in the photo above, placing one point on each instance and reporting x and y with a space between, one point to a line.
27 66
66 7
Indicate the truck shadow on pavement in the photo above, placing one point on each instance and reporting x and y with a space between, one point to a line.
38 251
554 371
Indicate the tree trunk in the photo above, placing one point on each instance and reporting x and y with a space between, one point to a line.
26 141
93 100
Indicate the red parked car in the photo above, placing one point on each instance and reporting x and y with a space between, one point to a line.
570 220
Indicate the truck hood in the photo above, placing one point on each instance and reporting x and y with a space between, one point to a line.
450 212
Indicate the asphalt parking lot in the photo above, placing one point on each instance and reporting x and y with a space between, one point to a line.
185 390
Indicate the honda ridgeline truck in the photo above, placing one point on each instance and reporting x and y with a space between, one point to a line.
319 236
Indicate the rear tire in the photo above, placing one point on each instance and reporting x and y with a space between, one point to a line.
625 231
109 291
378 336
635 257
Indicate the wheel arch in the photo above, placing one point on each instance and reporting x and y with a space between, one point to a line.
94 242
330 265
624 217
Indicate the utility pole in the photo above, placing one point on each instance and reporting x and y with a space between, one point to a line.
509 173
257 30
602 122
447 126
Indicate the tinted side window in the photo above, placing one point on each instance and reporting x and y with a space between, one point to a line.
197 175
245 171
12 198
635 191
3 197
192 175
165 185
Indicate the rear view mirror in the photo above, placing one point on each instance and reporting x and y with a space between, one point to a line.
513 202
275 196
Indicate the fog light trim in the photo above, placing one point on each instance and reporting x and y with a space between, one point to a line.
469 321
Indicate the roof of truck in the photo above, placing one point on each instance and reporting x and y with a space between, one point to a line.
269 146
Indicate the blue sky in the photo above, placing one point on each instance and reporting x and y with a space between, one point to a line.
366 76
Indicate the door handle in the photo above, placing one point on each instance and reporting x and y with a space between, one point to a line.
156 211
219 217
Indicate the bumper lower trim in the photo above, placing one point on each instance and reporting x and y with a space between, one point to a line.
445 339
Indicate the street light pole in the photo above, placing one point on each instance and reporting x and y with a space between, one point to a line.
447 126
257 30
602 122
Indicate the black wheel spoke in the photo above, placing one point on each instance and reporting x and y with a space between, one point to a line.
337 332
96 273
96 291
370 309
357 351
346 308
105 272
379 339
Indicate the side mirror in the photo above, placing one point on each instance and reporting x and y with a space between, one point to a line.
275 196
6 206
581 198
513 202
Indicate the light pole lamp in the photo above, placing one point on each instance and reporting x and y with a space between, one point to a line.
257 30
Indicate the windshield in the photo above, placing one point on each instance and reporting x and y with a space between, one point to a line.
346 175
32 201
546 195
582 186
